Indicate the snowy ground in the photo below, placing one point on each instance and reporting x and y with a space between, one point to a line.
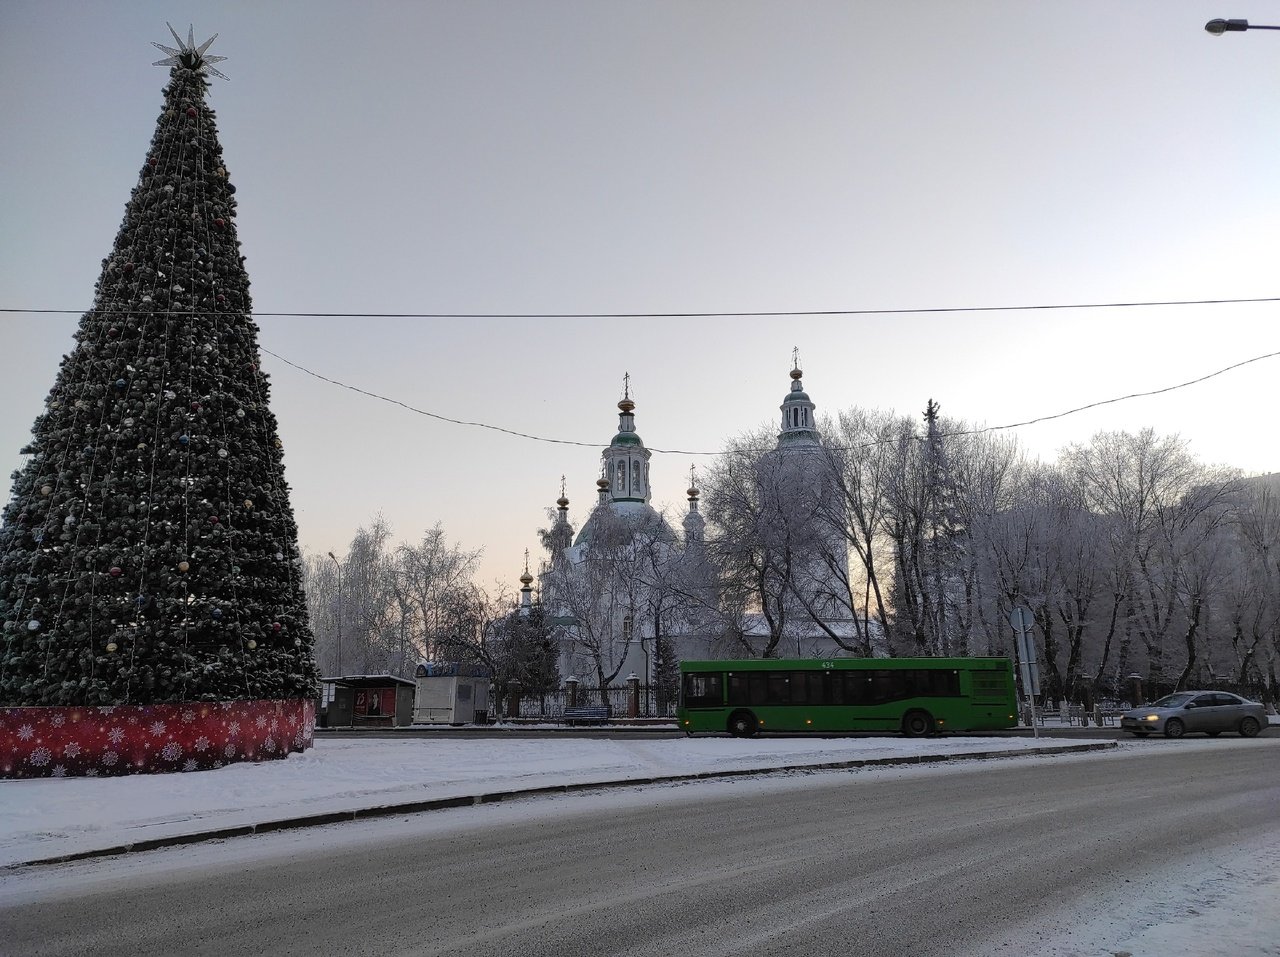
1226 903
53 817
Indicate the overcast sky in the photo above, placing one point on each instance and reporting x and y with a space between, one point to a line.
644 157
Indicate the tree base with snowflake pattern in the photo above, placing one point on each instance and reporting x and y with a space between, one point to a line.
150 739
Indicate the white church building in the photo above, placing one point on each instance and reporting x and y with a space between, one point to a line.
627 588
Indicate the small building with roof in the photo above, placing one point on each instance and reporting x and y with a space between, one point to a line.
366 701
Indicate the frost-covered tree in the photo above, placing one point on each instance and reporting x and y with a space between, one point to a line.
397 602
148 552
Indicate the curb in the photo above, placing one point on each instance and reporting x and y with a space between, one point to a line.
495 797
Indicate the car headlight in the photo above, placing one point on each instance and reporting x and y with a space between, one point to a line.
1152 717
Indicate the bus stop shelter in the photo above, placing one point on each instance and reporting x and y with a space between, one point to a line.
368 701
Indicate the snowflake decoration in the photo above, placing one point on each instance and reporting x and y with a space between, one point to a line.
40 757
115 735
157 728
188 716
188 55
260 721
171 751
71 750
109 758
190 765
58 771
91 773
57 721
202 744
229 750
234 728
26 733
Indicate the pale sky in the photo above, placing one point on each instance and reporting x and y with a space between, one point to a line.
663 157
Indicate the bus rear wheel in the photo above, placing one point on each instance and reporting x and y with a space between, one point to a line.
916 724
742 724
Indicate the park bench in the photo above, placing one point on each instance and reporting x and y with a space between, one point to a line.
587 715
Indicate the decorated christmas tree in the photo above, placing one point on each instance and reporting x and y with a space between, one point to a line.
148 553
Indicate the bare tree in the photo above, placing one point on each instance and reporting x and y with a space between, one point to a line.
1165 509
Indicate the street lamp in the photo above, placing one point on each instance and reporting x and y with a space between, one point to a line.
338 565
1219 27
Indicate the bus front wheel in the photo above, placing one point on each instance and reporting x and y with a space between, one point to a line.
916 724
742 724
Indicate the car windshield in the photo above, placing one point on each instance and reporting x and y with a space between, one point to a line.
1172 701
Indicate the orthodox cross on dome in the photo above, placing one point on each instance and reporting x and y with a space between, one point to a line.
795 357
626 385
188 55
526 561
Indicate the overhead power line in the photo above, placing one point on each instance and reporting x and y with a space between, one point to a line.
543 438
726 314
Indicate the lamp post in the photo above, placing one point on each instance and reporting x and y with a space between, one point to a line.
1219 27
338 565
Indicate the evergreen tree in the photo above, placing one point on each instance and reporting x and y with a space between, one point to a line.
148 552
942 547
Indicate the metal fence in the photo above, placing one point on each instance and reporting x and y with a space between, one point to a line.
550 705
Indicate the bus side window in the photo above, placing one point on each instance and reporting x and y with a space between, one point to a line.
817 687
702 691
857 687
881 687
758 683
798 685
739 693
778 688
834 682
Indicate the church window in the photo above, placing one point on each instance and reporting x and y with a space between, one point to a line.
795 417
627 628
804 417
621 481
635 474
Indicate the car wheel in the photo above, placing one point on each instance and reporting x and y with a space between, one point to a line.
742 724
1249 727
916 724
1173 728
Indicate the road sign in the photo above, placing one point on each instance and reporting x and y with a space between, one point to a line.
1022 619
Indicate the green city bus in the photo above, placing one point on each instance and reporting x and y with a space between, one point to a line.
915 696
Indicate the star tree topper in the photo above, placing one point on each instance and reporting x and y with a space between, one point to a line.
188 55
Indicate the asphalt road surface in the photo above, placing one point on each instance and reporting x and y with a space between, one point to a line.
865 863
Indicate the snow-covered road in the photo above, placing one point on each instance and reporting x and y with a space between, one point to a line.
46 818
1119 885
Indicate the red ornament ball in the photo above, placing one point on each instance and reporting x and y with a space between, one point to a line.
221 297
195 406
116 571
219 222
213 520
276 626
128 267
191 112
151 161
113 332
